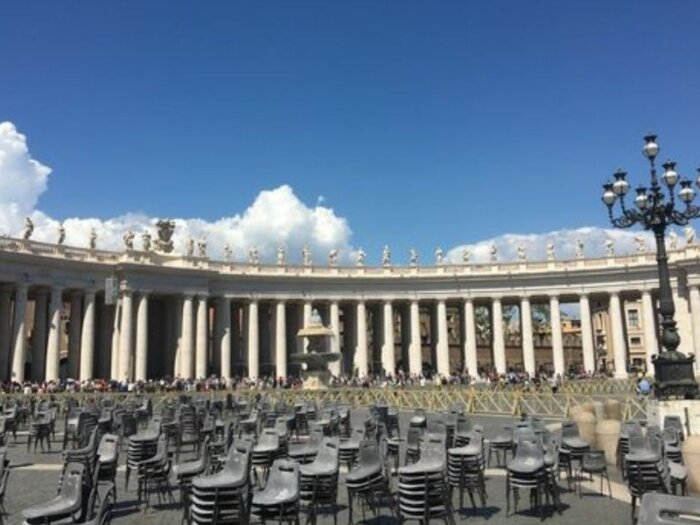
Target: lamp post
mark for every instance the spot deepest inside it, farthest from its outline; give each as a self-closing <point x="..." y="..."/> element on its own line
<point x="655" y="209"/>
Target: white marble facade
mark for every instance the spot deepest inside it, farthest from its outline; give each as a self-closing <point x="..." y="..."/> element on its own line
<point x="192" y="316"/>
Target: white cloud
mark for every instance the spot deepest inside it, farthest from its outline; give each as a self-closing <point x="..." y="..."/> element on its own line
<point x="593" y="238"/>
<point x="276" y="217"/>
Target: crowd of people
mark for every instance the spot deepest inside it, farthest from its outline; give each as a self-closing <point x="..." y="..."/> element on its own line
<point x="508" y="381"/>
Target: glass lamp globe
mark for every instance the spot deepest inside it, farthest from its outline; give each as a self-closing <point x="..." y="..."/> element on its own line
<point x="651" y="148"/>
<point x="670" y="175"/>
<point x="687" y="193"/>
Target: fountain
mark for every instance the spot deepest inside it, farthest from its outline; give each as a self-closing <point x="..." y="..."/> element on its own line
<point x="314" y="360"/>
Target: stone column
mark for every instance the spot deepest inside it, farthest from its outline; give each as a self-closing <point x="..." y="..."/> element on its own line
<point x="202" y="337"/>
<point x="499" y="344"/>
<point x="306" y="316"/>
<point x="587" y="334"/>
<point x="114" y="350"/>
<point x="618" y="336"/>
<point x="41" y="306"/>
<point x="87" y="337"/>
<point x="694" y="292"/>
<point x="19" y="333"/>
<point x="334" y="314"/>
<point x="388" y="357"/>
<point x="443" y="346"/>
<point x="281" y="339"/>
<point x="526" y="335"/>
<point x="76" y="316"/>
<point x="470" y="356"/>
<point x="126" y="337"/>
<point x="53" y="345"/>
<point x="187" y="342"/>
<point x="223" y="322"/>
<point x="557" y="339"/>
<point x="6" y="330"/>
<point x="360" y="362"/>
<point x="253" y="340"/>
<point x="415" y="351"/>
<point x="141" y="373"/>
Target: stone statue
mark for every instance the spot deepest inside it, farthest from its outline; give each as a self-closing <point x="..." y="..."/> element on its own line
<point x="189" y="247"/>
<point x="333" y="258"/>
<point x="522" y="256"/>
<point x="672" y="240"/>
<point x="386" y="256"/>
<point x="640" y="244"/>
<point x="93" y="239"/>
<point x="466" y="255"/>
<point x="164" y="242"/>
<point x="361" y="257"/>
<point x="129" y="240"/>
<point x="609" y="247"/>
<point x="493" y="253"/>
<point x="61" y="235"/>
<point x="281" y="256"/>
<point x="253" y="256"/>
<point x="413" y="257"/>
<point x="227" y="252"/>
<point x="689" y="234"/>
<point x="146" y="241"/>
<point x="305" y="256"/>
<point x="579" y="249"/>
<point x="202" y="247"/>
<point x="439" y="257"/>
<point x="28" y="229"/>
<point x="550" y="251"/>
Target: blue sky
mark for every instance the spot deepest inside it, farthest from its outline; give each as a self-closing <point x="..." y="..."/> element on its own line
<point x="420" y="123"/>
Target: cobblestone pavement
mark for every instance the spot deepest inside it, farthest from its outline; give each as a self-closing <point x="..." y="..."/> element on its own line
<point x="33" y="479"/>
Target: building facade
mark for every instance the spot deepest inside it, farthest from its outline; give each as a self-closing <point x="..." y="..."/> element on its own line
<point x="192" y="317"/>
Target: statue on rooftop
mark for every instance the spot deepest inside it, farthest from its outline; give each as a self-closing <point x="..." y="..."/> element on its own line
<point x="61" y="235"/>
<point x="305" y="256"/>
<point x="689" y="232"/>
<point x="28" y="229"/>
<point x="522" y="256"/>
<point x="579" y="249"/>
<point x="550" y="250"/>
<point x="439" y="257"/>
<point x="253" y="256"/>
<point x="466" y="255"/>
<point x="227" y="252"/>
<point x="333" y="258"/>
<point x="164" y="242"/>
<point x="361" y="257"/>
<point x="413" y="257"/>
<point x="189" y="247"/>
<point x="609" y="247"/>
<point x="202" y="247"/>
<point x="281" y="255"/>
<point x="92" y="242"/>
<point x="640" y="244"/>
<point x="493" y="253"/>
<point x="146" y="241"/>
<point x="128" y="240"/>
<point x="386" y="256"/>
<point x="672" y="240"/>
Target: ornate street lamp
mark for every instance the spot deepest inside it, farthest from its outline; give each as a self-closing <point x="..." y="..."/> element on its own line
<point x="655" y="209"/>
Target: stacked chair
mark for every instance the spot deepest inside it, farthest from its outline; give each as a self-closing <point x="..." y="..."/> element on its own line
<point x="40" y="431"/>
<point x="465" y="468"/>
<point x="265" y="452"/>
<point x="86" y="455"/>
<point x="629" y="429"/>
<point x="279" y="501"/>
<point x="4" y="475"/>
<point x="413" y="440"/>
<point x="108" y="459"/>
<point x="223" y="497"/>
<point x="318" y="483"/>
<point x="142" y="446"/>
<point x="423" y="491"/>
<point x="593" y="462"/>
<point x="306" y="452"/>
<point x="189" y="428"/>
<point x="368" y="479"/>
<point x="183" y="473"/>
<point x="350" y="448"/>
<point x="153" y="474"/>
<point x="572" y="448"/>
<point x="501" y="444"/>
<point x="527" y="472"/>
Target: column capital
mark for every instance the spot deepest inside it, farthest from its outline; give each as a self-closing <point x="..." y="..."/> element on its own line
<point x="554" y="297"/>
<point x="583" y="295"/>
<point x="38" y="292"/>
<point x="56" y="288"/>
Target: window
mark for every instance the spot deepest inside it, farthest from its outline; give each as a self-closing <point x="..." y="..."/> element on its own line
<point x="635" y="341"/>
<point x="633" y="318"/>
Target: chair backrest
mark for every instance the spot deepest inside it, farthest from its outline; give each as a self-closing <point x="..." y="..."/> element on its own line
<point x="464" y="424"/>
<point x="327" y="453"/>
<point x="630" y="428"/>
<point x="593" y="459"/>
<point x="284" y="478"/>
<point x="369" y="454"/>
<point x="528" y="450"/>
<point x="569" y="429"/>
<point x="664" y="509"/>
<point x="674" y="422"/>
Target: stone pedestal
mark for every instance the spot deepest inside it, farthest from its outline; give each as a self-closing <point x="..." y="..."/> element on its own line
<point x="586" y="427"/>
<point x="607" y="435"/>
<point x="687" y="410"/>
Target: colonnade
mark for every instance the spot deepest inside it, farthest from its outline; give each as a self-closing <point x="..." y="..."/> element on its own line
<point x="194" y="335"/>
